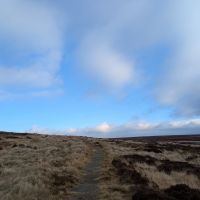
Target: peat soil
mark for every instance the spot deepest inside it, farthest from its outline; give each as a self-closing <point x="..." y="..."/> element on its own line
<point x="88" y="189"/>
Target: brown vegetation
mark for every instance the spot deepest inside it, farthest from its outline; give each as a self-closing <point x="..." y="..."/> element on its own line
<point x="40" y="167"/>
<point x="154" y="168"/>
<point x="48" y="167"/>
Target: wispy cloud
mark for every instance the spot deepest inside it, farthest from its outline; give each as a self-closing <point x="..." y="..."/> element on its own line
<point x="106" y="65"/>
<point x="10" y="95"/>
<point x="110" y="49"/>
<point x="180" y="86"/>
<point x="32" y="30"/>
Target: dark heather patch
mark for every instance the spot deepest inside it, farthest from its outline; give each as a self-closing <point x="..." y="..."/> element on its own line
<point x="128" y="174"/>
<point x="168" y="166"/>
<point x="135" y="158"/>
<point x="183" y="192"/>
<point x="152" y="148"/>
<point x="149" y="194"/>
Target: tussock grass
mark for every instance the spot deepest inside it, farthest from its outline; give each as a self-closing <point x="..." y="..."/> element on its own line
<point x="181" y="157"/>
<point x="40" y="167"/>
<point x="162" y="180"/>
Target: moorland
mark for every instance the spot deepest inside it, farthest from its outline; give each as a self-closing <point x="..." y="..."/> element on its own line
<point x="47" y="167"/>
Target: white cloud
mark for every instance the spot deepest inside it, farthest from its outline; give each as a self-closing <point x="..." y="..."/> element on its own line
<point x="129" y="129"/>
<point x="104" y="63"/>
<point x="41" y="74"/>
<point x="38" y="130"/>
<point x="141" y="125"/>
<point x="108" y="44"/>
<point x="109" y="36"/>
<point x="33" y="30"/>
<point x="185" y="123"/>
<point x="104" y="127"/>
<point x="180" y="85"/>
<point x="140" y="128"/>
<point x="30" y="23"/>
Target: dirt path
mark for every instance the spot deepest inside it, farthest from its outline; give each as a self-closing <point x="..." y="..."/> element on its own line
<point x="88" y="187"/>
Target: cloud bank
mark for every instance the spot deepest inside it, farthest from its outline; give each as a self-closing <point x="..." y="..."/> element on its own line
<point x="114" y="35"/>
<point x="108" y="39"/>
<point x="129" y="129"/>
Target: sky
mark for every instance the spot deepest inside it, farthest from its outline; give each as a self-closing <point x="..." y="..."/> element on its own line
<point x="108" y="68"/>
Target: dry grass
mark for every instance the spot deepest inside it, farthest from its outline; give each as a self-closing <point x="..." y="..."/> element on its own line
<point x="40" y="167"/>
<point x="115" y="185"/>
<point x="163" y="180"/>
<point x="47" y="167"/>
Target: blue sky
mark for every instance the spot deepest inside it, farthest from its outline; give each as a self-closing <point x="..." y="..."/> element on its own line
<point x="101" y="68"/>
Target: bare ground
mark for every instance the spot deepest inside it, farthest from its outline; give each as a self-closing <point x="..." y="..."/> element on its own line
<point x="88" y="187"/>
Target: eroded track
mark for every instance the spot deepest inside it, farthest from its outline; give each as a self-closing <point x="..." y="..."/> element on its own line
<point x="88" y="187"/>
